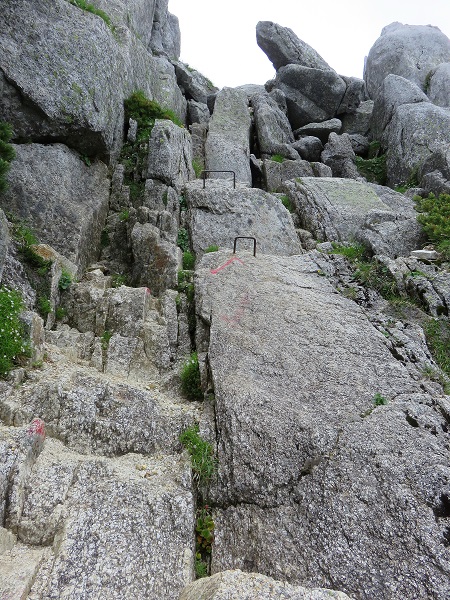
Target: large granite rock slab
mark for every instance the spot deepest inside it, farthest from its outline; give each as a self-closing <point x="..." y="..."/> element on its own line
<point x="283" y="47"/>
<point x="416" y="132"/>
<point x="312" y="94"/>
<point x="439" y="85"/>
<point x="218" y="214"/>
<point x="236" y="585"/>
<point x="227" y="146"/>
<point x="64" y="201"/>
<point x="193" y="84"/>
<point x="273" y="129"/>
<point x="276" y="173"/>
<point x="410" y="51"/>
<point x="335" y="209"/>
<point x="64" y="75"/>
<point x="332" y="490"/>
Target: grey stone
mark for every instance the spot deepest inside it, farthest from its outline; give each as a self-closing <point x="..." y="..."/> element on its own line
<point x="251" y="89"/>
<point x="193" y="84"/>
<point x="309" y="148"/>
<point x="354" y="95"/>
<point x="359" y="121"/>
<point x="170" y="154"/>
<point x="439" y="85"/>
<point x="62" y="199"/>
<point x="425" y="254"/>
<point x="339" y="155"/>
<point x="236" y="585"/>
<point x="198" y="112"/>
<point x="321" y="130"/>
<point x="343" y="210"/>
<point x="156" y="261"/>
<point x="417" y="131"/>
<point x="312" y="95"/>
<point x="410" y="51"/>
<point x="434" y="173"/>
<point x="272" y="128"/>
<point x="227" y="146"/>
<point x="302" y="460"/>
<point x="321" y="170"/>
<point x="218" y="214"/>
<point x="52" y="92"/>
<point x="280" y="99"/>
<point x="283" y="47"/>
<point x="132" y="130"/>
<point x="276" y="173"/>
<point x="392" y="93"/>
<point x="4" y="241"/>
<point x="360" y="144"/>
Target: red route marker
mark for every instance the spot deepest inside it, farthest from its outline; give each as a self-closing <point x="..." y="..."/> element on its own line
<point x="215" y="271"/>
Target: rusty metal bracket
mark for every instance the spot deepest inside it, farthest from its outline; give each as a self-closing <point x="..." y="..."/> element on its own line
<point x="245" y="237"/>
<point x="212" y="171"/>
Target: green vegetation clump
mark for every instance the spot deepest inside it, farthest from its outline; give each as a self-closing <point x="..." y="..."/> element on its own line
<point x="437" y="333"/>
<point x="190" y="379"/>
<point x="204" y="538"/>
<point x="379" y="400"/>
<point x="188" y="261"/>
<point x="373" y="275"/>
<point x="197" y="166"/>
<point x="286" y="202"/>
<point x="65" y="281"/>
<point x="277" y="158"/>
<point x="183" y="239"/>
<point x="354" y="252"/>
<point x="12" y="343"/>
<point x="92" y="9"/>
<point x="373" y="169"/>
<point x="7" y="153"/>
<point x="212" y="248"/>
<point x="202" y="454"/>
<point x="435" y="219"/>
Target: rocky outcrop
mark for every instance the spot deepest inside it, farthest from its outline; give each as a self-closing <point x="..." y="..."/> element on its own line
<point x="218" y="214"/>
<point x="411" y="51"/>
<point x="272" y="128"/>
<point x="193" y="84"/>
<point x="321" y="130"/>
<point x="297" y="428"/>
<point x="438" y="89"/>
<point x="283" y="47"/>
<point x="61" y="198"/>
<point x="236" y="585"/>
<point x="227" y="146"/>
<point x="343" y="210"/>
<point x="338" y="154"/>
<point x="276" y="173"/>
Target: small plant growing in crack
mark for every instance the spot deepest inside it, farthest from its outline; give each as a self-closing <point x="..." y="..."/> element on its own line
<point x="190" y="378"/>
<point x="204" y="464"/>
<point x="204" y="538"/>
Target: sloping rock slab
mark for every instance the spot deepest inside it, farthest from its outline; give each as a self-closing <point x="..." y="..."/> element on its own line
<point x="236" y="585"/>
<point x="335" y="209"/>
<point x="439" y="88"/>
<point x="64" y="201"/>
<point x="218" y="214"/>
<point x="331" y="490"/>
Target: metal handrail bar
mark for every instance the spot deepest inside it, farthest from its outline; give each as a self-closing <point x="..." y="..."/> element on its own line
<point x="245" y="237"/>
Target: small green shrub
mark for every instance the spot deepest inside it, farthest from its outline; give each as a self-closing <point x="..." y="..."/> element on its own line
<point x="124" y="215"/>
<point x="106" y="336"/>
<point x="183" y="203"/>
<point x="183" y="239"/>
<point x="437" y="333"/>
<point x="379" y="400"/>
<point x="60" y="313"/>
<point x="354" y="252"/>
<point x="435" y="219"/>
<point x="188" y="261"/>
<point x="286" y="202"/>
<point x="190" y="379"/>
<point x="12" y="343"/>
<point x="201" y="568"/>
<point x="43" y="305"/>
<point x="118" y="279"/>
<point x="7" y="153"/>
<point x="373" y="275"/>
<point x="212" y="248"/>
<point x="373" y="169"/>
<point x="277" y="158"/>
<point x="92" y="9"/>
<point x="201" y="452"/>
<point x="65" y="281"/>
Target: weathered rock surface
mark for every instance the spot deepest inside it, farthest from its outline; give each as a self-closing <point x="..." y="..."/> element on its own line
<point x="227" y="146"/>
<point x="218" y="214"/>
<point x="193" y="84"/>
<point x="55" y="94"/>
<point x="338" y="154"/>
<point x="276" y="173"/>
<point x="359" y="121"/>
<point x="354" y="95"/>
<point x="272" y="128"/>
<point x="236" y="585"/>
<point x="342" y="210"/>
<point x="198" y="112"/>
<point x="439" y="85"/>
<point x="309" y="148"/>
<point x="170" y="154"/>
<point x="410" y="51"/>
<point x="417" y="131"/>
<point x="165" y="34"/>
<point x="321" y="130"/>
<point x="305" y="457"/>
<point x="434" y="173"/>
<point x="312" y="94"/>
<point x="62" y="199"/>
<point x="283" y="47"/>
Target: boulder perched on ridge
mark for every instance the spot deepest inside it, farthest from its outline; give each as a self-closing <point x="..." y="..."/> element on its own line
<point x="283" y="47"/>
<point x="410" y="51"/>
<point x="354" y="95"/>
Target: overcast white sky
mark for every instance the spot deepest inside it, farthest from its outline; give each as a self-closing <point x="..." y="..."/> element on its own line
<point x="219" y="40"/>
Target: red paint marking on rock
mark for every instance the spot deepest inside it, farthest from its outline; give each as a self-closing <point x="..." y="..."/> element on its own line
<point x="215" y="271"/>
<point x="37" y="427"/>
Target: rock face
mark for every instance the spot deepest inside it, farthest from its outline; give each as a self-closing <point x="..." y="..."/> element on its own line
<point x="56" y="94"/>
<point x="283" y="47"/>
<point x="236" y="585"/>
<point x="342" y="210"/>
<point x="312" y="94"/>
<point x="272" y="127"/>
<point x="60" y="197"/>
<point x="227" y="146"/>
<point x="439" y="85"/>
<point x="411" y="51"/>
<point x="217" y="214"/>
<point x="304" y="455"/>
<point x="338" y="154"/>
